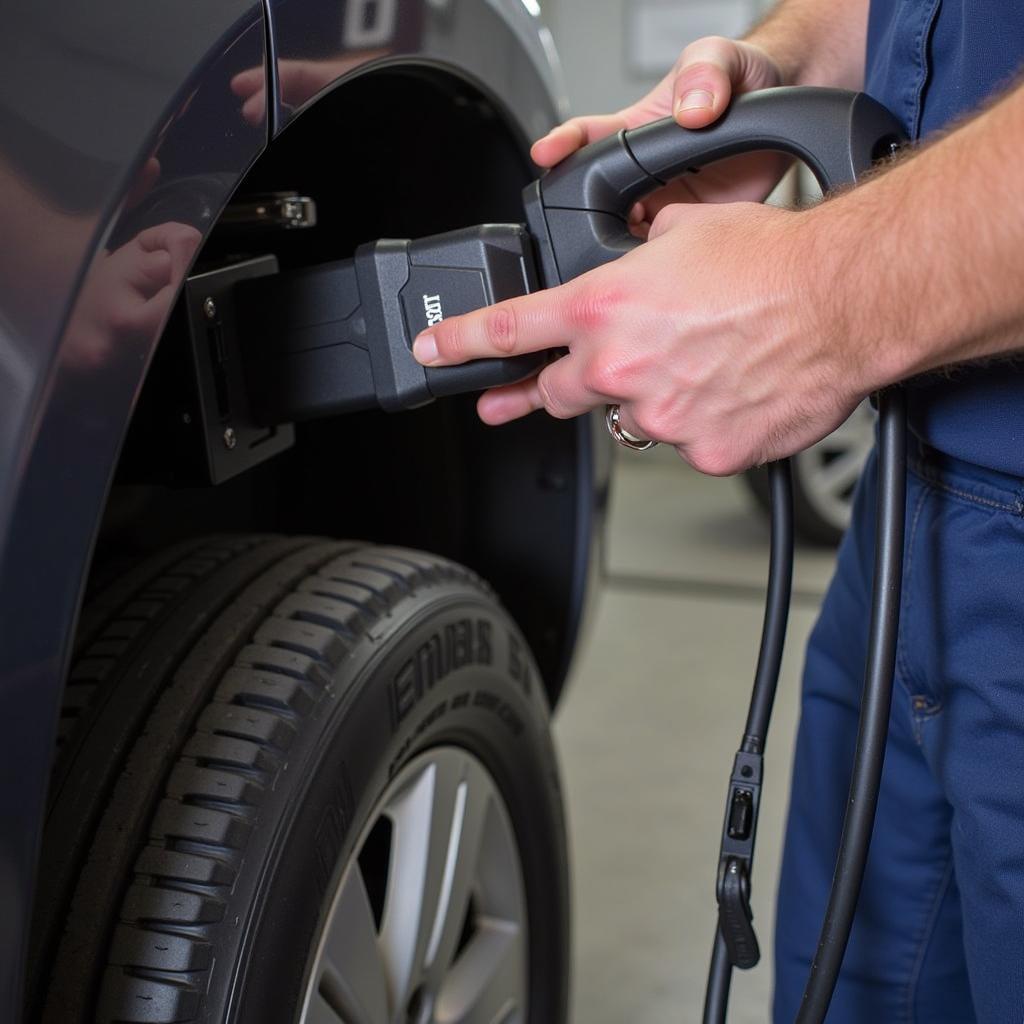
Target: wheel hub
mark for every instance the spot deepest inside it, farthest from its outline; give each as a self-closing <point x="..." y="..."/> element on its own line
<point x="427" y="924"/>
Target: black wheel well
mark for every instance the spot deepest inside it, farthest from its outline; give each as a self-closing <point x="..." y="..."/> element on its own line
<point x="400" y="151"/>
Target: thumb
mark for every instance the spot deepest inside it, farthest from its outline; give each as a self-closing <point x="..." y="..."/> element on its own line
<point x="708" y="71"/>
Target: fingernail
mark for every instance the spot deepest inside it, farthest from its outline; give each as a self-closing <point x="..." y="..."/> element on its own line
<point x="424" y="348"/>
<point x="696" y="99"/>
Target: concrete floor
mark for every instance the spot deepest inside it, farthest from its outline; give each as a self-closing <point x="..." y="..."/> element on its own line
<point x="647" y="735"/>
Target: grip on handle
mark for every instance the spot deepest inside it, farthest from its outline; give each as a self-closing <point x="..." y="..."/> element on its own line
<point x="578" y="211"/>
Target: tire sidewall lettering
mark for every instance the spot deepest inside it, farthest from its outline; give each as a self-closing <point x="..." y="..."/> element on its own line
<point x="481" y="704"/>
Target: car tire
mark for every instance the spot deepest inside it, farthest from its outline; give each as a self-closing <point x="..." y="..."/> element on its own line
<point x="323" y="726"/>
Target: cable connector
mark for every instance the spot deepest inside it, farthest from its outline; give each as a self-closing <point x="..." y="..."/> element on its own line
<point x="736" y="855"/>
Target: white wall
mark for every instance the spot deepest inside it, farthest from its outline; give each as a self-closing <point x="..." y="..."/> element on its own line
<point x="600" y="41"/>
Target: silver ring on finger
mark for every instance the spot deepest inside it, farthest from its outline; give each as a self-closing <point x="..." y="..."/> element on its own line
<point x="624" y="437"/>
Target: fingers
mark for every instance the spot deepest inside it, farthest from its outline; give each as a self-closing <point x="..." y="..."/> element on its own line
<point x="559" y="389"/>
<point x="709" y="69"/>
<point x="151" y="272"/>
<point x="530" y="323"/>
<point x="251" y="86"/>
<point x="172" y="235"/>
<point x="512" y="402"/>
<point x="628" y="425"/>
<point x="550" y="391"/>
<point x="245" y="83"/>
<point x="255" y="107"/>
<point x="707" y="75"/>
<point x="301" y="79"/>
<point x="565" y="139"/>
<point x="672" y="194"/>
<point x="179" y="241"/>
<point x="667" y="218"/>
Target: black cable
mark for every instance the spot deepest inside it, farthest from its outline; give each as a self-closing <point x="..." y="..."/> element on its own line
<point x="762" y="698"/>
<point x="716" y="998"/>
<point x="776" y="609"/>
<point x="875" y="705"/>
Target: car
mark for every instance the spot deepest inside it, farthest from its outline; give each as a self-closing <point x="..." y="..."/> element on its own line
<point x="276" y="696"/>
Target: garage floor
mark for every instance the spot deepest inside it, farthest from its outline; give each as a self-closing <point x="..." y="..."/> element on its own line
<point x="647" y="735"/>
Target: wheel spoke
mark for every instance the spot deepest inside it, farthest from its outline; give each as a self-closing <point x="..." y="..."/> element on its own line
<point x="451" y="944"/>
<point x="353" y="980"/>
<point x="473" y="800"/>
<point x="848" y="437"/>
<point x="320" y="1011"/>
<point x="856" y="432"/>
<point x="428" y="817"/>
<point x="486" y="983"/>
<point x="837" y="477"/>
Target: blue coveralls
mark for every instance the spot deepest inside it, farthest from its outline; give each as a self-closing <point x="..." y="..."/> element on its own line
<point x="939" y="933"/>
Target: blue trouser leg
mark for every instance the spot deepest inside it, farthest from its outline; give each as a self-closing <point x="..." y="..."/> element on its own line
<point x="941" y="916"/>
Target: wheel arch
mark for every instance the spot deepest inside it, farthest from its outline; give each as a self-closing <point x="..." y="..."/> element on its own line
<point x="515" y="504"/>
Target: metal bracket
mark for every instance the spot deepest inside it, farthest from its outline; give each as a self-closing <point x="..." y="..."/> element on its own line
<point x="286" y="211"/>
<point x="233" y="442"/>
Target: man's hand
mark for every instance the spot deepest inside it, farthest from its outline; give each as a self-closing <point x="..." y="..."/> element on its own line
<point x="696" y="92"/>
<point x="710" y="336"/>
<point x="743" y="333"/>
<point x="715" y="336"/>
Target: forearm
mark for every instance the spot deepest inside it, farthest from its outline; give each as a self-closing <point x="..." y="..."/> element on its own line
<point x="924" y="265"/>
<point x="816" y="42"/>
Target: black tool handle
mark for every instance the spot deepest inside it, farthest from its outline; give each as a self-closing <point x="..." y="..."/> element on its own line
<point x="579" y="209"/>
<point x="838" y="134"/>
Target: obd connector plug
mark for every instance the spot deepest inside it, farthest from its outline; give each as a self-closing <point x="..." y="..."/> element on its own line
<point x="337" y="337"/>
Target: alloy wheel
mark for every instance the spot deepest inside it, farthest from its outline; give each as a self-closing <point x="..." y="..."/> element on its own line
<point x="428" y="922"/>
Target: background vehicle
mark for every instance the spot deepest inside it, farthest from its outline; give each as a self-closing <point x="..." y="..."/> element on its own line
<point x="824" y="478"/>
<point x="279" y="753"/>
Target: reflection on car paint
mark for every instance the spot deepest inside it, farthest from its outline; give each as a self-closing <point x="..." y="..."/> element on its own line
<point x="120" y="139"/>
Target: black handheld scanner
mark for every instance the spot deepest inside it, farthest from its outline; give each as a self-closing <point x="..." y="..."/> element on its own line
<point x="338" y="337"/>
<point x="577" y="212"/>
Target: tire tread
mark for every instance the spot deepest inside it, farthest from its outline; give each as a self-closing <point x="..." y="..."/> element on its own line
<point x="219" y="768"/>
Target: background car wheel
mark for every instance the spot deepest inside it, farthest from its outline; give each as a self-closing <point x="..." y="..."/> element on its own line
<point x="824" y="478"/>
<point x="337" y="800"/>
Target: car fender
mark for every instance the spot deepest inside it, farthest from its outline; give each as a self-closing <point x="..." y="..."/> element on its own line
<point x="98" y="103"/>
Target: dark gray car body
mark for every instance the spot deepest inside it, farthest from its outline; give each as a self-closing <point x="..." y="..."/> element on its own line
<point x="100" y="105"/>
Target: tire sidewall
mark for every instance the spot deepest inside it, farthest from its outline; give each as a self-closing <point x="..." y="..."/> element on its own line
<point x="447" y="668"/>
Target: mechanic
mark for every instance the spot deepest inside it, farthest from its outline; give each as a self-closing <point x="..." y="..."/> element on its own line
<point x="742" y="333"/>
